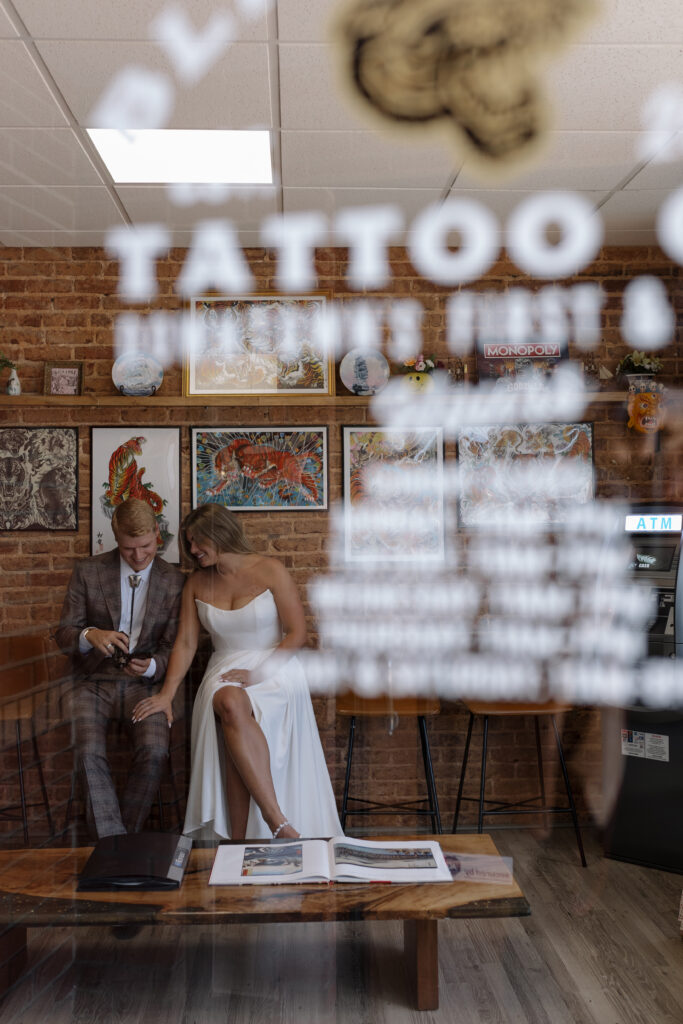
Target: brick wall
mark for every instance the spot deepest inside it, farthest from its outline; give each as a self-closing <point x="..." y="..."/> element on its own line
<point x="62" y="303"/>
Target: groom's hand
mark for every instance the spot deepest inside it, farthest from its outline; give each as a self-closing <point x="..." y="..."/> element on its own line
<point x="137" y="666"/>
<point x="105" y="640"/>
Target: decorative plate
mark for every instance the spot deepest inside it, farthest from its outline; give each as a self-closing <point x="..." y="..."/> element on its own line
<point x="135" y="373"/>
<point x="364" y="372"/>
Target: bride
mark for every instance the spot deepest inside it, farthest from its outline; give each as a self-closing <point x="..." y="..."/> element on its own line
<point x="258" y="767"/>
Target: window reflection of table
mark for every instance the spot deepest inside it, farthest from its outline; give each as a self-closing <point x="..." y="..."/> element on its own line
<point x="38" y="889"/>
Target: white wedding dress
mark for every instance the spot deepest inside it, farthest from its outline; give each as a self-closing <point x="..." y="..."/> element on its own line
<point x="244" y="638"/>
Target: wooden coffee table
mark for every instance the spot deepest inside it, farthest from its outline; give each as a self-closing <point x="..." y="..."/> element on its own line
<point x="38" y="890"/>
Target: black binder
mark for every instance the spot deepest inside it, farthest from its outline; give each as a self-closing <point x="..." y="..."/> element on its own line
<point x="145" y="861"/>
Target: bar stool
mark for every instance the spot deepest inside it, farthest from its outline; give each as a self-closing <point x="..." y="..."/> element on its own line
<point x="486" y="711"/>
<point x="351" y="706"/>
<point x="23" y="669"/>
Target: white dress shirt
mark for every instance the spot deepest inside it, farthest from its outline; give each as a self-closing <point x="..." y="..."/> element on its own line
<point x="125" y="626"/>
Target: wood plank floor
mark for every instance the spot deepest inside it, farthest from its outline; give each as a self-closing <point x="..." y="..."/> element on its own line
<point x="602" y="946"/>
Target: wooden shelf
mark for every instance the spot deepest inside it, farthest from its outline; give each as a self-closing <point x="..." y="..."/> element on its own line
<point x="178" y="401"/>
<point x="224" y="401"/>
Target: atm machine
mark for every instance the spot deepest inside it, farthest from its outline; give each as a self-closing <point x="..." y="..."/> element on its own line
<point x="646" y="824"/>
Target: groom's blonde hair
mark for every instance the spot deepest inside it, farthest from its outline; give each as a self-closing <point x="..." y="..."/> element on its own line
<point x="217" y="525"/>
<point x="134" y="518"/>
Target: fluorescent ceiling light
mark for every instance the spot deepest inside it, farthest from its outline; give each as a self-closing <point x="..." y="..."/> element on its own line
<point x="174" y="155"/>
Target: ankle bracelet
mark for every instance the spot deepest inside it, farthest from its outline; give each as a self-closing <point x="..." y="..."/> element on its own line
<point x="279" y="829"/>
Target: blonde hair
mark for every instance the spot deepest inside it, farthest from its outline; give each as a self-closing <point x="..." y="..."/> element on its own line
<point x="133" y="518"/>
<point x="217" y="525"/>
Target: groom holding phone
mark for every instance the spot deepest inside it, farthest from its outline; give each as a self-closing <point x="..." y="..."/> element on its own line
<point x="118" y="624"/>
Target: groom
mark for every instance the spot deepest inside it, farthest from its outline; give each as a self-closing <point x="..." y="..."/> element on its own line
<point x="118" y="624"/>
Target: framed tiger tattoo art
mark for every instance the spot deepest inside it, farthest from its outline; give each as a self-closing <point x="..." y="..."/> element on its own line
<point x="257" y="345"/>
<point x="135" y="462"/>
<point x="393" y="507"/>
<point x="252" y="469"/>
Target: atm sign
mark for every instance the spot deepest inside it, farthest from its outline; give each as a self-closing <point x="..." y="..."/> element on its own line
<point x="653" y="524"/>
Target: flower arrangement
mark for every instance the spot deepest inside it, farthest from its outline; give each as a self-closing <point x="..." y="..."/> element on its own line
<point x="420" y="364"/>
<point x="5" y="363"/>
<point x="639" y="362"/>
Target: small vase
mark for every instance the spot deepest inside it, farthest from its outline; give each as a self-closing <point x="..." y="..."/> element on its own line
<point x="13" y="384"/>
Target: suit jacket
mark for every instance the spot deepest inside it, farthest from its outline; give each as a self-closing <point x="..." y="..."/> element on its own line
<point x="93" y="598"/>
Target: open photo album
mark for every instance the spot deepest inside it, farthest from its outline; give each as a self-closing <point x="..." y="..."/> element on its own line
<point x="329" y="860"/>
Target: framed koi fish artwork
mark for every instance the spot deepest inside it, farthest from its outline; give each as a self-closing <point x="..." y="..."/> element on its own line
<point x="541" y="471"/>
<point x="257" y="345"/>
<point x="393" y="494"/>
<point x="135" y="462"/>
<point x="281" y="468"/>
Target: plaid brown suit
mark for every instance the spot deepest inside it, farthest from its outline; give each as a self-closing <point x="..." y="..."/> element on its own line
<point x="103" y="693"/>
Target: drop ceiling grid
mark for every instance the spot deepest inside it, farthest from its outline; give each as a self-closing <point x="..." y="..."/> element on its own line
<point x="330" y="151"/>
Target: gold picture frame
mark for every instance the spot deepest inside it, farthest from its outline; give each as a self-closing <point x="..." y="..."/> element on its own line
<point x="256" y="345"/>
<point x="63" y="377"/>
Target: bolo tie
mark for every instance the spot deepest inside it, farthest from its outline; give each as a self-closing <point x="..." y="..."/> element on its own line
<point x="135" y="580"/>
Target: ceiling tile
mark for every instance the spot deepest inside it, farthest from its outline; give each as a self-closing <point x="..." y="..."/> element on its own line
<point x="632" y="21"/>
<point x="568" y="160"/>
<point x="633" y="208"/>
<point x="49" y="238"/>
<point x="233" y="94"/>
<point x="6" y="29"/>
<point x="502" y="202"/>
<point x="310" y="93"/>
<point x="57" y="209"/>
<point x="122" y="20"/>
<point x="604" y="88"/>
<point x="665" y="171"/>
<point x="25" y="100"/>
<point x="181" y="239"/>
<point x="629" y="236"/>
<point x="246" y="207"/>
<point x="615" y="21"/>
<point x="45" y="156"/>
<point x="376" y="159"/>
<point x="306" y="21"/>
<point x="410" y="201"/>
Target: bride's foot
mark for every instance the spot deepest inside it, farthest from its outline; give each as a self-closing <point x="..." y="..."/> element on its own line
<point x="285" y="831"/>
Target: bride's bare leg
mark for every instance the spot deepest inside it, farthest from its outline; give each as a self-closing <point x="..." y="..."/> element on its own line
<point x="248" y="748"/>
<point x="238" y="798"/>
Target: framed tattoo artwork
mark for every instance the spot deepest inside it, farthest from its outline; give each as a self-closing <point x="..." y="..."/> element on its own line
<point x="393" y="494"/>
<point x="257" y="345"/>
<point x="249" y="468"/>
<point x="39" y="478"/>
<point x="129" y="462"/>
<point x="63" y="378"/>
<point x="540" y="469"/>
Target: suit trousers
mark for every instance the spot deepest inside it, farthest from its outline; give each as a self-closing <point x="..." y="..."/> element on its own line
<point x="96" y="703"/>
